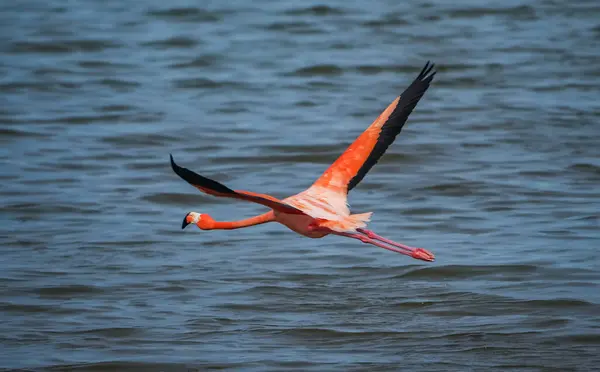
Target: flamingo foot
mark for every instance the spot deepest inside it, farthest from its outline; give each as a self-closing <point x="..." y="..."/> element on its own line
<point x="423" y="254"/>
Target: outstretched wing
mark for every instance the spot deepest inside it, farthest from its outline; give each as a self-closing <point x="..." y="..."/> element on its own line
<point x="215" y="188"/>
<point x="352" y="166"/>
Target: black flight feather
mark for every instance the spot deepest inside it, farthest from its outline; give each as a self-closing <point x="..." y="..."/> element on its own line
<point x="393" y="125"/>
<point x="195" y="179"/>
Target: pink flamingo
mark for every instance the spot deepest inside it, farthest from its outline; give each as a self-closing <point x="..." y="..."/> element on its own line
<point x="322" y="209"/>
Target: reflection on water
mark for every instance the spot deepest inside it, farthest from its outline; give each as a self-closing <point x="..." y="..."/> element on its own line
<point x="496" y="172"/>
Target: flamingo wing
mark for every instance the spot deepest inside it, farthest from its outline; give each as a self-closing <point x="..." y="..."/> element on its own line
<point x="215" y="188"/>
<point x="352" y="166"/>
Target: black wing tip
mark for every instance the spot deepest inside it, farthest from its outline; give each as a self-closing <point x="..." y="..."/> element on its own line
<point x="426" y="73"/>
<point x="197" y="180"/>
<point x="176" y="168"/>
<point x="180" y="171"/>
<point x="173" y="165"/>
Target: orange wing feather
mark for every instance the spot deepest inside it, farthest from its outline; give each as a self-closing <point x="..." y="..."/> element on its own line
<point x="351" y="167"/>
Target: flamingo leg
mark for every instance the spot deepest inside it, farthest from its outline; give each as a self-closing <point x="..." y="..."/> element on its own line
<point x="369" y="237"/>
<point x="422" y="254"/>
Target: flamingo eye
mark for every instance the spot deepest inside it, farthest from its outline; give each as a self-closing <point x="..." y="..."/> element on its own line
<point x="196" y="217"/>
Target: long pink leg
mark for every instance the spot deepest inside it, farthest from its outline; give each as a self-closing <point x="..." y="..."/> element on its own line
<point x="422" y="254"/>
<point x="417" y="253"/>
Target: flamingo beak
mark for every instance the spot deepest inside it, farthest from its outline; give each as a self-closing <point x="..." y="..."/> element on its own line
<point x="185" y="221"/>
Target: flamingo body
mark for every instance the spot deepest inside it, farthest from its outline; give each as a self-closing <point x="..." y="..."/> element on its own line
<point x="300" y="224"/>
<point x="322" y="209"/>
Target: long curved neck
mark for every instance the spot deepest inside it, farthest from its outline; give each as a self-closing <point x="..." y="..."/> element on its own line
<point x="230" y="225"/>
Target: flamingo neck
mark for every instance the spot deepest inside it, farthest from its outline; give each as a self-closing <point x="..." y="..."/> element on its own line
<point x="230" y="225"/>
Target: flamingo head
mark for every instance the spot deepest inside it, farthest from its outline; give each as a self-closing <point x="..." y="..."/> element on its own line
<point x="203" y="221"/>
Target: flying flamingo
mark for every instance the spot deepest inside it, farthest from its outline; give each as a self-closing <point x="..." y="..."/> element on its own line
<point x="322" y="209"/>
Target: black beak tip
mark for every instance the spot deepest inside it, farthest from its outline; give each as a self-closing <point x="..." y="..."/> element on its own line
<point x="184" y="223"/>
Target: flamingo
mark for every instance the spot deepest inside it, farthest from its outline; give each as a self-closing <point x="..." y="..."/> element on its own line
<point x="322" y="209"/>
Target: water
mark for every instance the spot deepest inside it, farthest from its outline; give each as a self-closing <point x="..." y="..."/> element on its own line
<point x="497" y="172"/>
